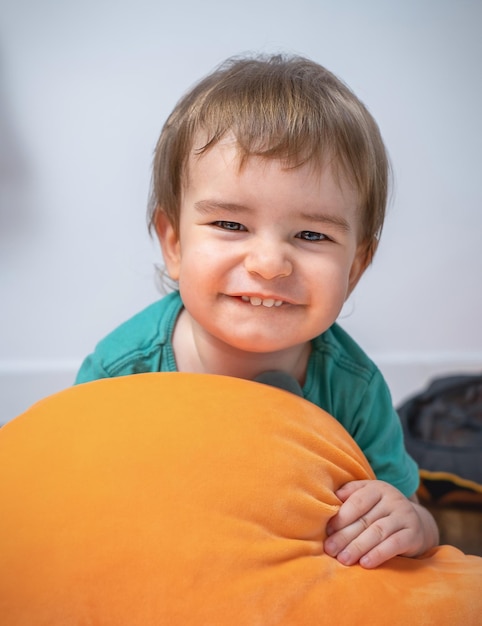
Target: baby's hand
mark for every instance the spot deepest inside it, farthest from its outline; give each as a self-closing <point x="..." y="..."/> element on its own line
<point x="377" y="522"/>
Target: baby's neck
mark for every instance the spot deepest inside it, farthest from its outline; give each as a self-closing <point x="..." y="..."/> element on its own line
<point x="202" y="353"/>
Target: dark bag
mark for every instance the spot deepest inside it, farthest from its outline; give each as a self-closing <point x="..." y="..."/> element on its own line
<point x="443" y="433"/>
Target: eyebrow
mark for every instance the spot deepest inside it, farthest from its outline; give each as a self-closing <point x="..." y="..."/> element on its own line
<point x="336" y="221"/>
<point x="212" y="206"/>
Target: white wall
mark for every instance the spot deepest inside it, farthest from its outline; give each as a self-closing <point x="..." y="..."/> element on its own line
<point x="84" y="90"/>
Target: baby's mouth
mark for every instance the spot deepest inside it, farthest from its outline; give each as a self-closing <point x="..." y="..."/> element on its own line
<point x="267" y="302"/>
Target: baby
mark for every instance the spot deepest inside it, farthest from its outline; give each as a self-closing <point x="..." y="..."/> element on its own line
<point x="269" y="190"/>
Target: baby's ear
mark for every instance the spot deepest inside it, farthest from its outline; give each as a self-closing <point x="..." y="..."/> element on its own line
<point x="362" y="260"/>
<point x="170" y="245"/>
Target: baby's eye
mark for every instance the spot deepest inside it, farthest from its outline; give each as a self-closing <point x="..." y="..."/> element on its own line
<point x="228" y="225"/>
<point x="309" y="235"/>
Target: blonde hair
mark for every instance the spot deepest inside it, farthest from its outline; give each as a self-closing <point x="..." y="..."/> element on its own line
<point x="283" y="107"/>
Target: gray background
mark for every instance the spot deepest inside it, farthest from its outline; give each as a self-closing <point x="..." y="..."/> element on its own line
<point x="84" y="90"/>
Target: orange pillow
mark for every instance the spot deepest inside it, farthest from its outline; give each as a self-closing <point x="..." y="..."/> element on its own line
<point x="188" y="499"/>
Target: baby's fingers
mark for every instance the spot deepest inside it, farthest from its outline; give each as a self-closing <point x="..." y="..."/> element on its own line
<point x="358" y="500"/>
<point x="370" y="545"/>
<point x="349" y="488"/>
<point x="390" y="547"/>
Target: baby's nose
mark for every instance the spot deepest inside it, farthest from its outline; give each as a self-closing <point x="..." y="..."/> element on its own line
<point x="268" y="260"/>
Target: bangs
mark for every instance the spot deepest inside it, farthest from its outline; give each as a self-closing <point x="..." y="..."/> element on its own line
<point x="274" y="109"/>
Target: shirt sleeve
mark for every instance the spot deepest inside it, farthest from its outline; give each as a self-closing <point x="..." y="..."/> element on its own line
<point x="91" y="369"/>
<point x="379" y="434"/>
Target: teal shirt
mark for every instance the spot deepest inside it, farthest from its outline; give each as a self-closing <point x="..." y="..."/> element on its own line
<point x="341" y="379"/>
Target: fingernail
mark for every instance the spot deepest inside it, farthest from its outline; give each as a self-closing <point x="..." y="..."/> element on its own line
<point x="365" y="561"/>
<point x="344" y="557"/>
<point x="330" y="547"/>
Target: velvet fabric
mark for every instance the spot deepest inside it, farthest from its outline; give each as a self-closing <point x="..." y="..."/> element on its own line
<point x="189" y="499"/>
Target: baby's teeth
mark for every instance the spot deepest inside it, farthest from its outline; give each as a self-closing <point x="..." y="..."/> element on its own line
<point x="256" y="301"/>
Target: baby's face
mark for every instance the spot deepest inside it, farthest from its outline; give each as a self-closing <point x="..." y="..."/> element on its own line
<point x="266" y="255"/>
